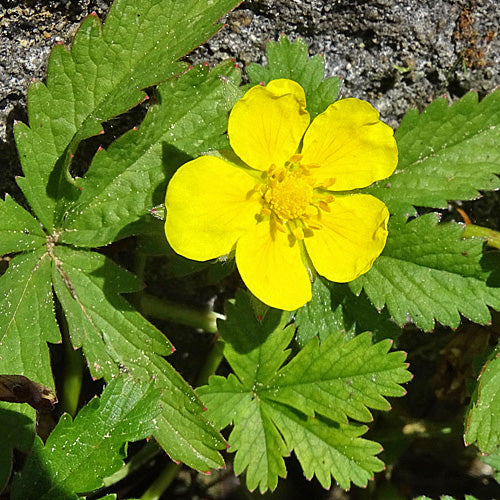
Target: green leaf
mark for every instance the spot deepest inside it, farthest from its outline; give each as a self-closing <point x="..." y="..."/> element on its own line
<point x="19" y="231"/>
<point x="27" y="319"/>
<point x="79" y="454"/>
<point x="291" y="60"/>
<point x="341" y="380"/>
<point x="303" y="404"/>
<point x="27" y="323"/>
<point x="329" y="449"/>
<point x="493" y="460"/>
<point x="427" y="271"/>
<point x="445" y="497"/>
<point x="100" y="77"/>
<point x="259" y="447"/>
<point x="445" y="153"/>
<point x="483" y="418"/>
<point x="101" y="321"/>
<point x="334" y="309"/>
<point x="18" y="432"/>
<point x="129" y="178"/>
<point x="115" y="336"/>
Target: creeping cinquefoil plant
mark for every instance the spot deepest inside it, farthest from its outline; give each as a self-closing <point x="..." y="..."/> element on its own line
<point x="330" y="218"/>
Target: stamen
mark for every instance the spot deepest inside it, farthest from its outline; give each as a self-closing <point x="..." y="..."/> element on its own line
<point x="324" y="206"/>
<point x="327" y="183"/>
<point x="298" y="233"/>
<point x="312" y="210"/>
<point x="290" y="198"/>
<point x="315" y="225"/>
<point x="280" y="226"/>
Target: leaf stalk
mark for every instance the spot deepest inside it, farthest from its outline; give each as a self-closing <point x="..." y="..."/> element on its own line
<point x="492" y="237"/>
<point x="162" y="482"/>
<point x="154" y="307"/>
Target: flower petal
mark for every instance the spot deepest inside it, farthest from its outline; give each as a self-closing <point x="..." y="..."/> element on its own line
<point x="353" y="235"/>
<point x="266" y="125"/>
<point x="351" y="145"/>
<point x="272" y="269"/>
<point x="209" y="207"/>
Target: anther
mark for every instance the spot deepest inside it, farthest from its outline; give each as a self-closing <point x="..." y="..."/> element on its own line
<point x="280" y="226"/>
<point x="324" y="206"/>
<point x="298" y="233"/>
<point x="328" y="182"/>
<point x="314" y="225"/>
<point x="312" y="210"/>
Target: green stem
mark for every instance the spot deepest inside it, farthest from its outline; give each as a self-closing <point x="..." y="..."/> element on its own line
<point x="211" y="364"/>
<point x="139" y="268"/>
<point x="420" y="428"/>
<point x="162" y="482"/>
<point x="492" y="237"/>
<point x="143" y="456"/>
<point x="73" y="373"/>
<point x="155" y="307"/>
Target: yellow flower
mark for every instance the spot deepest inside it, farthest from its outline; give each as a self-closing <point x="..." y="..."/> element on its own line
<point x="277" y="210"/>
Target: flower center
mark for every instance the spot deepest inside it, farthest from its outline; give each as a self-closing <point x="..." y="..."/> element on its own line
<point x="289" y="198"/>
<point x="289" y="195"/>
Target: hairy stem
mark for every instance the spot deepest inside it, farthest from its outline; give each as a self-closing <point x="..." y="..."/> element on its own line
<point x="212" y="362"/>
<point x="73" y="372"/>
<point x="162" y="482"/>
<point x="139" y="266"/>
<point x="492" y="237"/>
<point x="142" y="457"/>
<point x="155" y="307"/>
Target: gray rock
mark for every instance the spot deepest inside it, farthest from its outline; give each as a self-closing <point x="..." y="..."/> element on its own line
<point x="396" y="54"/>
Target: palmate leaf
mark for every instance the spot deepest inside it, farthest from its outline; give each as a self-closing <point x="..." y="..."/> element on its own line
<point x="100" y="77"/>
<point x="130" y="177"/>
<point x="287" y="59"/>
<point x="115" y="336"/>
<point x="334" y="309"/>
<point x="483" y="419"/>
<point x="445" y="153"/>
<point x="428" y="272"/>
<point x="79" y="454"/>
<point x="19" y="231"/>
<point x="302" y="405"/>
